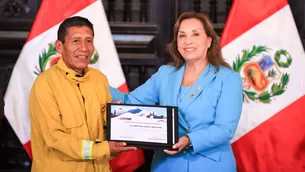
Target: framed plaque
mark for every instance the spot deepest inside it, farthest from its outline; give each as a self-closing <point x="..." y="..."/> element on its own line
<point x="143" y="126"/>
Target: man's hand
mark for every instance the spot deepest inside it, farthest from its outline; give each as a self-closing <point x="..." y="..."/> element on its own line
<point x="183" y="142"/>
<point x="118" y="147"/>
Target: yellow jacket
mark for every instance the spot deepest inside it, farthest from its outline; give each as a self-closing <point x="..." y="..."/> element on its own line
<point x="67" y="116"/>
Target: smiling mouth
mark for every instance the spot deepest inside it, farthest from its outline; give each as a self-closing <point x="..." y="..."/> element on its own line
<point x="82" y="57"/>
<point x="189" y="49"/>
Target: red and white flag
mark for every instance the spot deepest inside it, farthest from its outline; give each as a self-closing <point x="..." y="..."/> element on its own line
<point x="261" y="41"/>
<point x="39" y="53"/>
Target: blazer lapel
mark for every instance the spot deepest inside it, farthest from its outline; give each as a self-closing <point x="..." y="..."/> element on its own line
<point x="207" y="75"/>
<point x="174" y="84"/>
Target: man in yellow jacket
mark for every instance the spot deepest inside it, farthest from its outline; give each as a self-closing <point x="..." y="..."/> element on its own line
<point x="68" y="108"/>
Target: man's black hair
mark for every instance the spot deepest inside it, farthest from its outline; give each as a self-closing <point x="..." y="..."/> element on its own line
<point x="70" y="22"/>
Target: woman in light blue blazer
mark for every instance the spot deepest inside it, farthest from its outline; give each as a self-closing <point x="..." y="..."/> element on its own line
<point x="208" y="94"/>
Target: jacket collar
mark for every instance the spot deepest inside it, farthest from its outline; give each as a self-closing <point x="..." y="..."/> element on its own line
<point x="71" y="75"/>
<point x="207" y="75"/>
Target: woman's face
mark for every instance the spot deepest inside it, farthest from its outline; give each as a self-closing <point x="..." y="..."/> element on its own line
<point x="192" y="40"/>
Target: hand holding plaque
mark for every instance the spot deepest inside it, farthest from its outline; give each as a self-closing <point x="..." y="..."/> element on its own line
<point x="119" y="147"/>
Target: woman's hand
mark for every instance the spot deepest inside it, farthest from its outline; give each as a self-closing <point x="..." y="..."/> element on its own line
<point x="183" y="142"/>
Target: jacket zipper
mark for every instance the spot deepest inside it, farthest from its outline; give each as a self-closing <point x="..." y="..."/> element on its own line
<point x="86" y="118"/>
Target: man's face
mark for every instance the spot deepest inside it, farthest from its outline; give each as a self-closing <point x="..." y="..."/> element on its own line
<point x="78" y="48"/>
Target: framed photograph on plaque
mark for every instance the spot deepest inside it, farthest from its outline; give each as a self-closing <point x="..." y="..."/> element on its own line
<point x="143" y="126"/>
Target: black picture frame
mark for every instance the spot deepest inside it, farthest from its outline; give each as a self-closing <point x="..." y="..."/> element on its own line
<point x="172" y="126"/>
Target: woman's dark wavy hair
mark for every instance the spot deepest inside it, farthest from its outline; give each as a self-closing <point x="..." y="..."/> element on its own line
<point x="214" y="55"/>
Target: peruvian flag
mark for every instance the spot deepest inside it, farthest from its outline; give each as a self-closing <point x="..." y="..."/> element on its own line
<point x="261" y="41"/>
<point x="39" y="53"/>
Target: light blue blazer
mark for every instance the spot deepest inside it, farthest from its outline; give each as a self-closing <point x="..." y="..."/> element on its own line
<point x="209" y="115"/>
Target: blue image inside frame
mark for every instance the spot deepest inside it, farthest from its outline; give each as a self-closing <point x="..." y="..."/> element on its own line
<point x="148" y="112"/>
